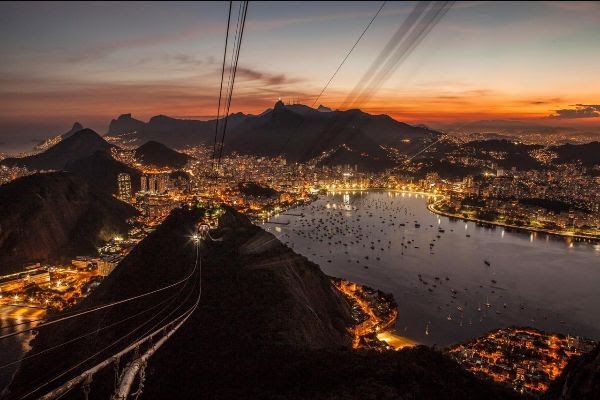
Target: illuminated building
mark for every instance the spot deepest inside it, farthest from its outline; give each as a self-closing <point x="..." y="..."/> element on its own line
<point x="162" y="182"/>
<point x="152" y="183"/>
<point x="124" y="184"/>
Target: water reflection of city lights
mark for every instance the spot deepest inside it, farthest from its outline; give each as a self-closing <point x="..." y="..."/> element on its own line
<point x="346" y="198"/>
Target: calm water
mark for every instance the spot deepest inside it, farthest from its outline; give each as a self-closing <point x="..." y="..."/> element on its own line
<point x="536" y="280"/>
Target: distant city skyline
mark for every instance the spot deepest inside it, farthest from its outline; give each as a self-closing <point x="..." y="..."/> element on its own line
<point x="90" y="62"/>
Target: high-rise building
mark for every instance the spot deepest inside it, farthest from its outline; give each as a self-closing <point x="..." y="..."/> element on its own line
<point x="152" y="183"/>
<point x="162" y="183"/>
<point x="124" y="184"/>
<point x="144" y="183"/>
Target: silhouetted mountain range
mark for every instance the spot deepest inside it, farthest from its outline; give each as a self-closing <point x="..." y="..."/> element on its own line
<point x="78" y="145"/>
<point x="55" y="215"/>
<point x="159" y="155"/>
<point x="297" y="132"/>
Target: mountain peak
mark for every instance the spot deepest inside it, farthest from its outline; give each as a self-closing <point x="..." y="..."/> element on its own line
<point x="279" y="105"/>
<point x="157" y="154"/>
<point x="85" y="132"/>
<point x="80" y="144"/>
<point x="124" y="124"/>
<point x="322" y="108"/>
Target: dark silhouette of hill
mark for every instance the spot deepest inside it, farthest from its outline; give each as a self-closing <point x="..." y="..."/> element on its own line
<point x="588" y="153"/>
<point x="125" y="124"/>
<point x="159" y="155"/>
<point x="100" y="171"/>
<point x="270" y="325"/>
<point x="256" y="190"/>
<point x="48" y="216"/>
<point x="580" y="380"/>
<point x="346" y="155"/>
<point x="80" y="144"/>
<point x="175" y="133"/>
<point x="445" y="169"/>
<point x="516" y="153"/>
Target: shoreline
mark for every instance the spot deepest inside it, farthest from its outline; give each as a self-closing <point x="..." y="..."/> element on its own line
<point x="431" y="207"/>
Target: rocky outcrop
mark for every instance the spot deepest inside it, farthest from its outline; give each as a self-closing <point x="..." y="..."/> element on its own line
<point x="125" y="125"/>
<point x="47" y="216"/>
<point x="74" y="129"/>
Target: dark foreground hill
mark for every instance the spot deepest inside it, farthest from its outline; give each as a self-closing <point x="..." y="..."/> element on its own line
<point x="78" y="145"/>
<point x="270" y="325"/>
<point x="159" y="155"/>
<point x="46" y="216"/>
<point x="580" y="380"/>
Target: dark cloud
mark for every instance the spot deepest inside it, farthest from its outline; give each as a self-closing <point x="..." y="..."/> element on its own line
<point x="578" y="111"/>
<point x="553" y="100"/>
<point x="268" y="78"/>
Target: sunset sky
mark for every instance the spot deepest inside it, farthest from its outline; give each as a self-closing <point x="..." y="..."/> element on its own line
<point x="90" y="62"/>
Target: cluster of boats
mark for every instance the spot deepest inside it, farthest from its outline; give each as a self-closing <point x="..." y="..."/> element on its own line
<point x="368" y="229"/>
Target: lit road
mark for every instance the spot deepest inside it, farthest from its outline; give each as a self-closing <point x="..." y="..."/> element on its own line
<point x="395" y="341"/>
